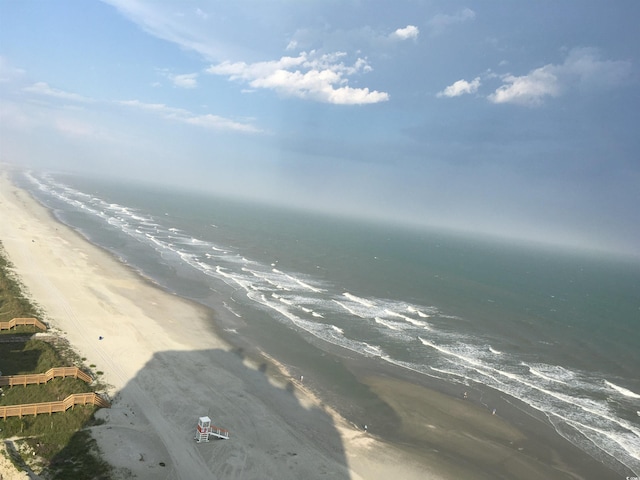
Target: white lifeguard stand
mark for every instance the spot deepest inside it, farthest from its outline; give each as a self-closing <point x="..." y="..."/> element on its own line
<point x="204" y="429"/>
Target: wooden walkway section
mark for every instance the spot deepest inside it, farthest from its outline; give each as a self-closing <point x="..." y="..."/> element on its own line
<point x="38" y="378"/>
<point x="22" y="321"/>
<point x="52" y="407"/>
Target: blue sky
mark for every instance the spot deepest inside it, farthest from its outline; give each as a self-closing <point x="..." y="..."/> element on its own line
<point x="511" y="118"/>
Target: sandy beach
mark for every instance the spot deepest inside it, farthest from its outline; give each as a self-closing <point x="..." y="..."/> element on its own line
<point x="166" y="367"/>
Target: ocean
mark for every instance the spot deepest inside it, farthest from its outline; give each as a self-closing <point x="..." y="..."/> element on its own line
<point x="554" y="330"/>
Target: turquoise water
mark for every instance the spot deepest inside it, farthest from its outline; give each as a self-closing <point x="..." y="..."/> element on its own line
<point x="554" y="328"/>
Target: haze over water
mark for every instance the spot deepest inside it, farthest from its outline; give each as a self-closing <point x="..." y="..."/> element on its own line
<point x="554" y="329"/>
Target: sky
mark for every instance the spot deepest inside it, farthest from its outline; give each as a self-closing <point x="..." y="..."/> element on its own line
<point x="510" y="118"/>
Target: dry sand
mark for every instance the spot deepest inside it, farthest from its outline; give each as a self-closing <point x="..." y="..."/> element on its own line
<point x="167" y="367"/>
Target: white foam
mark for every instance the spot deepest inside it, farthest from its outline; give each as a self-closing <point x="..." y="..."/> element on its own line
<point x="622" y="445"/>
<point x="374" y="350"/>
<point x="233" y="278"/>
<point x="231" y="310"/>
<point x="204" y="266"/>
<point x="359" y="300"/>
<point x="386" y="324"/>
<point x="538" y="373"/>
<point x="542" y="375"/>
<point x="447" y="372"/>
<point x="418" y="312"/>
<point x="621" y="390"/>
<point x="301" y="283"/>
<point x="352" y="312"/>
<point x="417" y="323"/>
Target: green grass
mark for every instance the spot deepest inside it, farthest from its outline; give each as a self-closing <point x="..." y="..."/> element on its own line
<point x="80" y="460"/>
<point x="30" y="356"/>
<point x="13" y="302"/>
<point x="60" y="439"/>
<point x="52" y="391"/>
<point x="52" y="432"/>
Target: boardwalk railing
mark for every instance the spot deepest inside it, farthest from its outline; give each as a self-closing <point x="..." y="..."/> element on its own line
<point x="22" y="321"/>
<point x="52" y="407"/>
<point x="219" y="432"/>
<point x="38" y="378"/>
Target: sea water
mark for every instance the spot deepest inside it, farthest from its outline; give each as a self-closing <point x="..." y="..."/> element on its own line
<point x="554" y="329"/>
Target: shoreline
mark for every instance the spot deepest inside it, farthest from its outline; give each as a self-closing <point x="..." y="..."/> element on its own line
<point x="157" y="346"/>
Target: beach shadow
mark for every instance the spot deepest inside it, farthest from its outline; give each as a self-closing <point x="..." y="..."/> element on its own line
<point x="15" y="359"/>
<point x="274" y="433"/>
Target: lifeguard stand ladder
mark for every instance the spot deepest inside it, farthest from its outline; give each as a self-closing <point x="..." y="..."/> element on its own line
<point x="204" y="429"/>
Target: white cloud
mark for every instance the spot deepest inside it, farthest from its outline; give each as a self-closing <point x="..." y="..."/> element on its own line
<point x="406" y="33"/>
<point x="186" y="80"/>
<point x="592" y="72"/>
<point x="309" y="76"/>
<point x="440" y="22"/>
<point x="165" y="21"/>
<point x="528" y="89"/>
<point x="214" y="122"/>
<point x="460" y="87"/>
<point x="41" y="88"/>
<point x="582" y="70"/>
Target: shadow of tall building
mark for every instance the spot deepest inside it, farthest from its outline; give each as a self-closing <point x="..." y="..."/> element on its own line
<point x="273" y="435"/>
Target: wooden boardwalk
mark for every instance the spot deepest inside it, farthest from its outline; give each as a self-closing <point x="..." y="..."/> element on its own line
<point x="22" y="321"/>
<point x="38" y="378"/>
<point x="52" y="407"/>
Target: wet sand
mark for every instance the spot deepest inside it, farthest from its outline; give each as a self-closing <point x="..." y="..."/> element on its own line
<point x="167" y="366"/>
